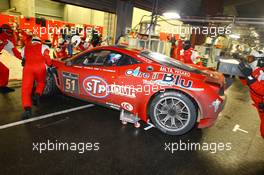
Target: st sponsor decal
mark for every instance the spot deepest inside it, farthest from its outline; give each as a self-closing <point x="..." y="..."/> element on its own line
<point x="137" y="73"/>
<point x="96" y="87"/>
<point x="127" y="106"/>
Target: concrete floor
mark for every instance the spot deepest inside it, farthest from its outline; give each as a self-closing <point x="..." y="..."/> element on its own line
<point x="124" y="149"/>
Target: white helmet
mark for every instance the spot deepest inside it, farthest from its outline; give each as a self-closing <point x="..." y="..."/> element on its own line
<point x="76" y="40"/>
<point x="256" y="54"/>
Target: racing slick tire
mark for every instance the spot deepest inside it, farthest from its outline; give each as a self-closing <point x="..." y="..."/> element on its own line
<point x="173" y="113"/>
<point x="51" y="87"/>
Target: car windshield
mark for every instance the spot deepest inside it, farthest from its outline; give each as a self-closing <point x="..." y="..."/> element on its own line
<point x="167" y="61"/>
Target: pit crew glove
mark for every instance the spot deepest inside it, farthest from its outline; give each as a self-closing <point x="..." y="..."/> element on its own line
<point x="245" y="69"/>
<point x="51" y="70"/>
<point x="23" y="62"/>
<point x="250" y="80"/>
<point x="261" y="106"/>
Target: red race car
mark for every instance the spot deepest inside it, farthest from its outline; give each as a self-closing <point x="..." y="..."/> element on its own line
<point x="143" y="85"/>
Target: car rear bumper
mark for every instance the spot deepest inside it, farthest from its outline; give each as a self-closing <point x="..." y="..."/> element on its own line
<point x="209" y="121"/>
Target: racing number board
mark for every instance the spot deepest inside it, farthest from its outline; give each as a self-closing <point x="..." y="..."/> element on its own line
<point x="70" y="82"/>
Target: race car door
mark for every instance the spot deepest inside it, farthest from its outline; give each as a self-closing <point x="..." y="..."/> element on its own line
<point x="129" y="80"/>
<point x="97" y="75"/>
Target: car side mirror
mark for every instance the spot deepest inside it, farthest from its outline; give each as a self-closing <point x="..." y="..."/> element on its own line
<point x="68" y="63"/>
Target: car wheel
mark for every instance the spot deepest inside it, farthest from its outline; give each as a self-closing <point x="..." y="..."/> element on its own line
<point x="173" y="113"/>
<point x="51" y="87"/>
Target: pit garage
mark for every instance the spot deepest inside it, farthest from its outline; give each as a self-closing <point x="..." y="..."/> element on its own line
<point x="131" y="87"/>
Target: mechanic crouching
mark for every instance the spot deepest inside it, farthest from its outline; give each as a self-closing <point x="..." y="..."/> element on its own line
<point x="35" y="58"/>
<point x="255" y="80"/>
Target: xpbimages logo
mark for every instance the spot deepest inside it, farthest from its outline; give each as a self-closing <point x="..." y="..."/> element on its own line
<point x="80" y="147"/>
<point x="213" y="148"/>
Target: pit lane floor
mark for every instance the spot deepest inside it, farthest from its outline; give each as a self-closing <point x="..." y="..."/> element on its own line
<point x="124" y="149"/>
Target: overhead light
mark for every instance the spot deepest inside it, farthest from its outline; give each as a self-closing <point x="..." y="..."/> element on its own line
<point x="234" y="36"/>
<point x="171" y="15"/>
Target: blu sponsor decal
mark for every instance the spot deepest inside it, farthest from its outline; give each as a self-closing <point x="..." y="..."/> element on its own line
<point x="137" y="73"/>
<point x="177" y="80"/>
<point x="127" y="106"/>
<point x="96" y="87"/>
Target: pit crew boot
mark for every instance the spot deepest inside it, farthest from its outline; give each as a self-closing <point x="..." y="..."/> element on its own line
<point x="36" y="99"/>
<point x="261" y="107"/>
<point x="27" y="113"/>
<point x="6" y="90"/>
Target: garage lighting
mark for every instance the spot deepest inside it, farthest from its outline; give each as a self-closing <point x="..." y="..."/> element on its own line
<point x="171" y="15"/>
<point x="234" y="36"/>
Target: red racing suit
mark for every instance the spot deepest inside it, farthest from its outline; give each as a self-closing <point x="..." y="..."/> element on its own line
<point x="60" y="51"/>
<point x="55" y="39"/>
<point x="179" y="48"/>
<point x="189" y="57"/>
<point x="4" y="71"/>
<point x="7" y="43"/>
<point x="36" y="57"/>
<point x="257" y="95"/>
<point x="187" y="54"/>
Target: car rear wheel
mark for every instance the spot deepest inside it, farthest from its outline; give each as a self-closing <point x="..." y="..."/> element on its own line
<point x="173" y="113"/>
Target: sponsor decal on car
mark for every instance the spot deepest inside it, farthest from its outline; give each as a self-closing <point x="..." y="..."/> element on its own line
<point x="123" y="90"/>
<point x="175" y="71"/>
<point x="137" y="73"/>
<point x="216" y="104"/>
<point x="96" y="87"/>
<point x="99" y="69"/>
<point x="70" y="82"/>
<point x="172" y="80"/>
<point x="177" y="80"/>
<point x="145" y="59"/>
<point x="127" y="106"/>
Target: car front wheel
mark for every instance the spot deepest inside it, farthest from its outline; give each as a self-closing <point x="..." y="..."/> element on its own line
<point x="50" y="86"/>
<point x="173" y="113"/>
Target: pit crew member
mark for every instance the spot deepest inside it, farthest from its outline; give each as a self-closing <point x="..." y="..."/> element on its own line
<point x="35" y="58"/>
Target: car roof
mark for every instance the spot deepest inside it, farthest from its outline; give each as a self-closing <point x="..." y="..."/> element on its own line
<point x="119" y="48"/>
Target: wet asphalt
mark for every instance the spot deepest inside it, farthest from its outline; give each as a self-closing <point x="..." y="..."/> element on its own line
<point x="124" y="149"/>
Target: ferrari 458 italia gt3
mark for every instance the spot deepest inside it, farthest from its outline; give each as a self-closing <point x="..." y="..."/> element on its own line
<point x="143" y="85"/>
